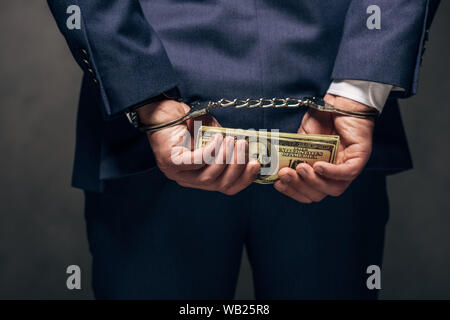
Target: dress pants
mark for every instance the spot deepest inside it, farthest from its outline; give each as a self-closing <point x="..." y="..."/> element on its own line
<point x="153" y="239"/>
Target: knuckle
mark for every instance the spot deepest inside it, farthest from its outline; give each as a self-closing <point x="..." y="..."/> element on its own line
<point x="289" y="192"/>
<point x="226" y="186"/>
<point x="206" y="179"/>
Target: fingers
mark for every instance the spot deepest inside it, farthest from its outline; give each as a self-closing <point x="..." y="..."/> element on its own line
<point x="234" y="170"/>
<point x="305" y="119"/>
<point x="218" y="166"/>
<point x="245" y="178"/>
<point x="347" y="171"/>
<point x="227" y="174"/>
<point x="210" y="173"/>
<point x="183" y="159"/>
<point x="324" y="185"/>
<point x="238" y="175"/>
<point x="292" y="185"/>
<point x="305" y="185"/>
<point x="316" y="122"/>
<point x="289" y="191"/>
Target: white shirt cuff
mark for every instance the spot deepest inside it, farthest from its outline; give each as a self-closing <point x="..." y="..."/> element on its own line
<point x="372" y="94"/>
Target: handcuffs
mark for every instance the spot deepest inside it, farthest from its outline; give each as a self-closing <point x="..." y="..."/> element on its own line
<point x="204" y="107"/>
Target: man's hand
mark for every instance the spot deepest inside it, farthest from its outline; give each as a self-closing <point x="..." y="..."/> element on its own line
<point x="311" y="184"/>
<point x="177" y="161"/>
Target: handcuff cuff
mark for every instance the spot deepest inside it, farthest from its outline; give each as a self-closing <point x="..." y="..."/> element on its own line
<point x="202" y="108"/>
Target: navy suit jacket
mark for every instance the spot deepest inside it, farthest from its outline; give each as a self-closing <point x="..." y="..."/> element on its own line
<point x="132" y="50"/>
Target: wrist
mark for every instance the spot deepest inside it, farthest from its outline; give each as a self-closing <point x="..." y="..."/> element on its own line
<point x="161" y="112"/>
<point x="347" y="104"/>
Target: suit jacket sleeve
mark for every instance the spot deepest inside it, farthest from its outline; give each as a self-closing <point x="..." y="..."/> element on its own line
<point x="118" y="48"/>
<point x="390" y="55"/>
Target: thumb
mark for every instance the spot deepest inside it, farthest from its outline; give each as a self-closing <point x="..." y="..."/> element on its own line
<point x="302" y="130"/>
<point x="205" y="120"/>
<point x="209" y="120"/>
<point x="316" y="122"/>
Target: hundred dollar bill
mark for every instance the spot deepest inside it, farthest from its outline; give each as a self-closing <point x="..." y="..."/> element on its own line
<point x="276" y="150"/>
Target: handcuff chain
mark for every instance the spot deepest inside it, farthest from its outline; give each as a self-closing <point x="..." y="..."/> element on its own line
<point x="313" y="102"/>
<point x="262" y="103"/>
<point x="202" y="108"/>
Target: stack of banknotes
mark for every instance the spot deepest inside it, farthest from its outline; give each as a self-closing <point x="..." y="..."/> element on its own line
<point x="276" y="150"/>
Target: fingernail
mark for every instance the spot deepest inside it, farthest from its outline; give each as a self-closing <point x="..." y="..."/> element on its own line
<point x="286" y="179"/>
<point x="302" y="172"/>
<point x="319" y="170"/>
<point x="255" y="169"/>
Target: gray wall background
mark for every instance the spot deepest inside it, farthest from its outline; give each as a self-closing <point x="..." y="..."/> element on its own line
<point x="42" y="229"/>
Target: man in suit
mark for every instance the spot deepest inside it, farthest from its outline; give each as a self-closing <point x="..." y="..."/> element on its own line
<point x="161" y="230"/>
